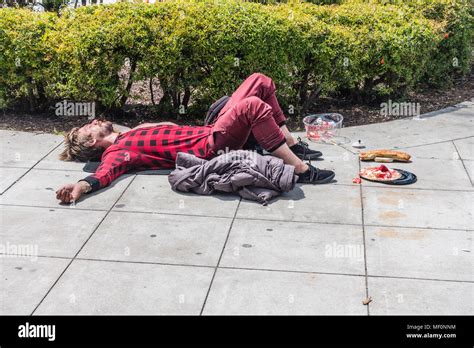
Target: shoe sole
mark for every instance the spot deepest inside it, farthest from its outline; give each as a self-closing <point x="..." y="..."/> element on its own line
<point x="309" y="157"/>
<point x="325" y="180"/>
<point x="319" y="182"/>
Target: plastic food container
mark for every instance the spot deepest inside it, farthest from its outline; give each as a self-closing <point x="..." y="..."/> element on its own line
<point x="323" y="127"/>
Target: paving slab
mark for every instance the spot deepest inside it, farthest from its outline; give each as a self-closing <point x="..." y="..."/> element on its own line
<point x="55" y="232"/>
<point x="295" y="246"/>
<point x="445" y="150"/>
<point x="420" y="253"/>
<point x="449" y="124"/>
<point x="152" y="193"/>
<point x="469" y="165"/>
<point x="345" y="165"/>
<point x="436" y="174"/>
<point x="117" y="288"/>
<point x="52" y="161"/>
<point x="25" y="281"/>
<point x="250" y="292"/>
<point x="418" y="208"/>
<point x="38" y="188"/>
<point x="392" y="296"/>
<point x="310" y="203"/>
<point x="24" y="149"/>
<point x="465" y="148"/>
<point x="461" y="110"/>
<point x="8" y="176"/>
<point x="145" y="237"/>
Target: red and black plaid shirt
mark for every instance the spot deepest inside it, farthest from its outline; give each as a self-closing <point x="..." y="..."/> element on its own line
<point x="154" y="147"/>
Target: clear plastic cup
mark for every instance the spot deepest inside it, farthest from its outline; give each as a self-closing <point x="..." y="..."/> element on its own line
<point x="323" y="127"/>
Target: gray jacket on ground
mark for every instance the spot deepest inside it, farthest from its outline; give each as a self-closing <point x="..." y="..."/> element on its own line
<point x="252" y="176"/>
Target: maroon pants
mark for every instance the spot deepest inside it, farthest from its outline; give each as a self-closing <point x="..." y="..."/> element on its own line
<point x="252" y="110"/>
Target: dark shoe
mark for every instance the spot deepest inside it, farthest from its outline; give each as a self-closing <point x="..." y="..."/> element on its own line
<point x="315" y="176"/>
<point x="302" y="150"/>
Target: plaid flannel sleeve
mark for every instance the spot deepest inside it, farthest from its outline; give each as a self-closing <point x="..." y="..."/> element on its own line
<point x="112" y="166"/>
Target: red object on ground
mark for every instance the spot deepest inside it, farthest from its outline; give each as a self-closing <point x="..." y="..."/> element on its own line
<point x="356" y="180"/>
<point x="380" y="173"/>
<point x="386" y="174"/>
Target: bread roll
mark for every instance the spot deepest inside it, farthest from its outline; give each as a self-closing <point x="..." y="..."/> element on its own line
<point x="395" y="155"/>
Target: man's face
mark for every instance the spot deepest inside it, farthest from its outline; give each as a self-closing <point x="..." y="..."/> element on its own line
<point x="96" y="129"/>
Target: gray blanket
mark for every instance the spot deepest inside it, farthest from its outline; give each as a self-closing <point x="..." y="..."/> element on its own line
<point x="252" y="176"/>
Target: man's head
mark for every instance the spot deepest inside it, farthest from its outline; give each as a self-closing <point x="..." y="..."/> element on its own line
<point x="86" y="142"/>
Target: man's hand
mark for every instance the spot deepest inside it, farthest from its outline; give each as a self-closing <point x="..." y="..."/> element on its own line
<point x="71" y="192"/>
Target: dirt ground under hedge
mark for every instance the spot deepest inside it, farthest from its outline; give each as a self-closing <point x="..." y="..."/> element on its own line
<point x="138" y="110"/>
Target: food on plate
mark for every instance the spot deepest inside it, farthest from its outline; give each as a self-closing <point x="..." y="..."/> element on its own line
<point x="381" y="173"/>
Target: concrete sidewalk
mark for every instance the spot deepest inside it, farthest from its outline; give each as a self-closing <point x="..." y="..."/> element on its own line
<point x="140" y="248"/>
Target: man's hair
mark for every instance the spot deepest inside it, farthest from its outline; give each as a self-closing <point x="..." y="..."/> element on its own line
<point x="76" y="148"/>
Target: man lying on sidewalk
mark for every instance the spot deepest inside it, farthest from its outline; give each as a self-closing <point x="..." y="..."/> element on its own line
<point x="252" y="109"/>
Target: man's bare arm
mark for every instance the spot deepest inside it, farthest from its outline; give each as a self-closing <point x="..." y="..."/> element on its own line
<point x="155" y="124"/>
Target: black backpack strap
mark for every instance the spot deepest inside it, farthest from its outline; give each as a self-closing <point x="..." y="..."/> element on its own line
<point x="214" y="110"/>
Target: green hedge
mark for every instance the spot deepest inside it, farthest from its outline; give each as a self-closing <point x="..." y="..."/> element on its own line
<point x="200" y="50"/>
<point x="23" y="56"/>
